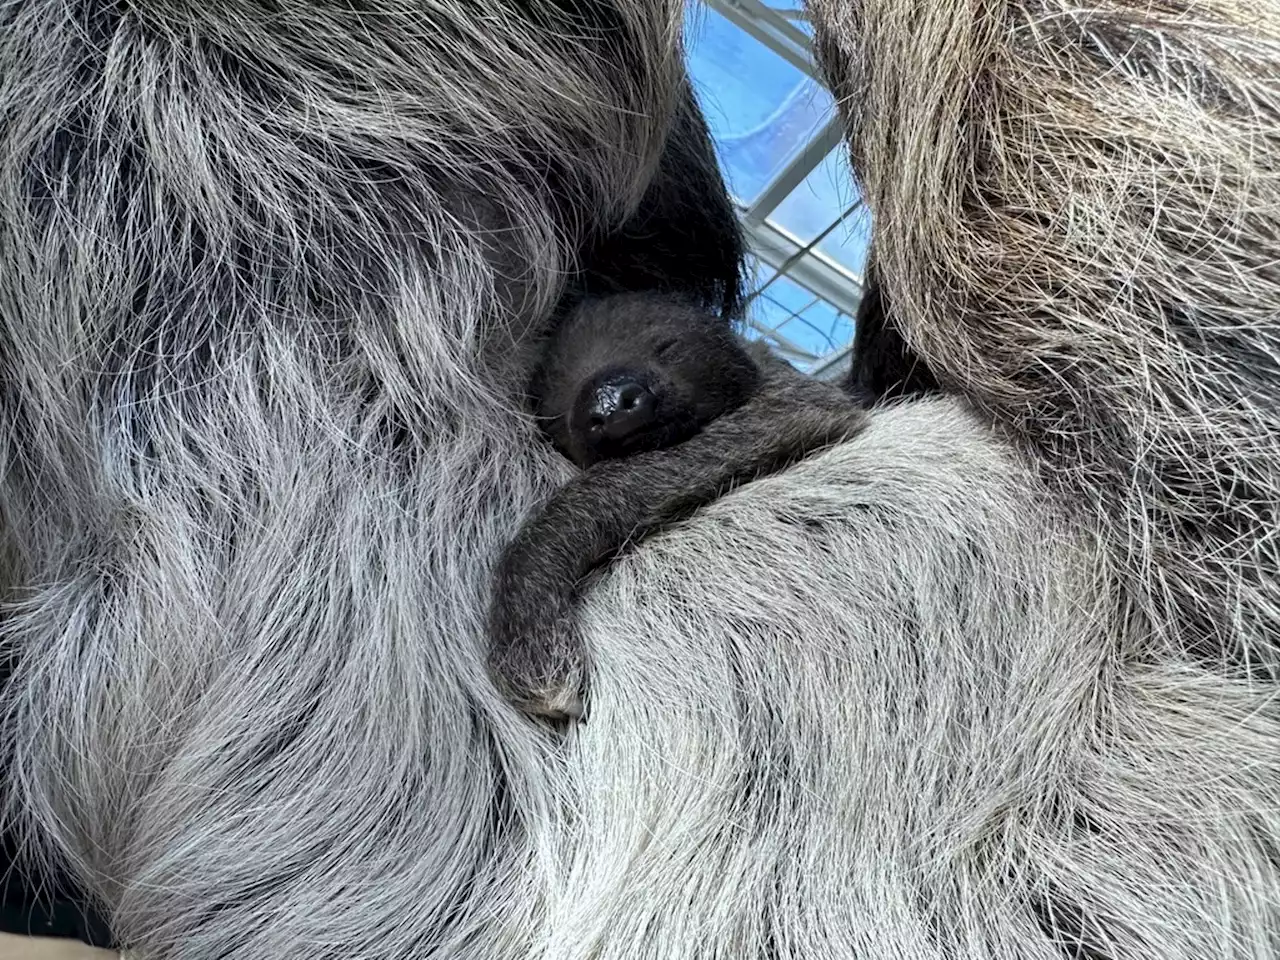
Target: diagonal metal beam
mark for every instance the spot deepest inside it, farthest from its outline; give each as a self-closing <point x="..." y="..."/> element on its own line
<point x="834" y="365"/>
<point x="775" y="20"/>
<point x="793" y="16"/>
<point x="781" y="343"/>
<point x="771" y="30"/>
<point x="800" y="166"/>
<point x="833" y="284"/>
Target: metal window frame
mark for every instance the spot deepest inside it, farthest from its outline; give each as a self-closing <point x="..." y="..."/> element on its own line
<point x="799" y="262"/>
<point x="793" y="174"/>
<point x="770" y="28"/>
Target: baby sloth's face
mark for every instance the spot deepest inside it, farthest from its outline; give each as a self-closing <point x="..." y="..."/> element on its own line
<point x="637" y="372"/>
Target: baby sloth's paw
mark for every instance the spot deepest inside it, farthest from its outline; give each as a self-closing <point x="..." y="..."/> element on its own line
<point x="538" y="664"/>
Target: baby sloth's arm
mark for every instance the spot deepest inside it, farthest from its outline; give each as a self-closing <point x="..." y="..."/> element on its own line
<point x="536" y="654"/>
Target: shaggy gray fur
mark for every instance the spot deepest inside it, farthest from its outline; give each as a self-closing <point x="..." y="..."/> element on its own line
<point x="720" y="412"/>
<point x="995" y="685"/>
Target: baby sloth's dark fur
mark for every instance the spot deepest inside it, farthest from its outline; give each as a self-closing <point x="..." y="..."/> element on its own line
<point x="717" y="412"/>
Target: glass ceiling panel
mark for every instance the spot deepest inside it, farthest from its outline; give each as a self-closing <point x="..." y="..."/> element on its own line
<point x="826" y="193"/>
<point x="757" y="273"/>
<point x="801" y="318"/>
<point x="763" y="113"/>
<point x="820" y="198"/>
<point x="771" y="313"/>
<point x="785" y="295"/>
<point x="820" y="329"/>
<point x="760" y="108"/>
<point x="847" y="244"/>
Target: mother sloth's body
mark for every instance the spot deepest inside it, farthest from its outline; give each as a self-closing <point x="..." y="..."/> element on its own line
<point x="266" y="284"/>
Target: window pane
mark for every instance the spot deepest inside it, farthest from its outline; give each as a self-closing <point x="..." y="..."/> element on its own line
<point x="779" y="300"/>
<point x="819" y="329"/>
<point x="820" y="198"/>
<point x="760" y="108"/>
<point x="847" y="243"/>
<point x="757" y="273"/>
<point x="841" y="332"/>
<point x="769" y="314"/>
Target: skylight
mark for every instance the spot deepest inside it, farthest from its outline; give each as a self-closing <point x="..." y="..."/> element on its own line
<point x="779" y="143"/>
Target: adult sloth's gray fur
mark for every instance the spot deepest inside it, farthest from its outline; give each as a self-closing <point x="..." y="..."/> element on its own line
<point x="1081" y="226"/>
<point x="265" y="281"/>
<point x="1080" y="231"/>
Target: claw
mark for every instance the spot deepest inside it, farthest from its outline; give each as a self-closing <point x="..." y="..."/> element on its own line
<point x="539" y="678"/>
<point x="563" y="703"/>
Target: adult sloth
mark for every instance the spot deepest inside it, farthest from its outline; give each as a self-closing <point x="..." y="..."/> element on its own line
<point x="995" y="678"/>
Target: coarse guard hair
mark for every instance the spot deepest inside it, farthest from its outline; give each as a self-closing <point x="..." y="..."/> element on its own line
<point x="996" y="678"/>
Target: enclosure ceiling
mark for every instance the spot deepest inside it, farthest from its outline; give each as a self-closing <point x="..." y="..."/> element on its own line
<point x="778" y="138"/>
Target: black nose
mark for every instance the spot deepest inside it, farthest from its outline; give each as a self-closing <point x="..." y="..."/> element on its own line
<point x="619" y="407"/>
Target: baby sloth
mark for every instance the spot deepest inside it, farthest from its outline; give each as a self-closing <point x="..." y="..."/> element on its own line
<point x="665" y="409"/>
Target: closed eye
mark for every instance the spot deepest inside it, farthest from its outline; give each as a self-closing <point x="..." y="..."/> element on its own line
<point x="665" y="346"/>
